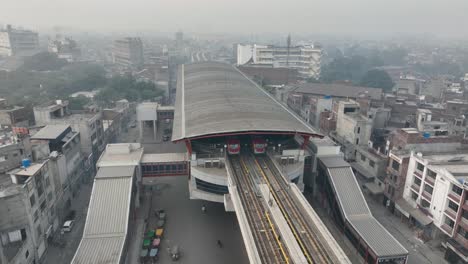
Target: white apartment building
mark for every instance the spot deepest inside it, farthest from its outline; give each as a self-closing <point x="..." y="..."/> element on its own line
<point x="306" y="59"/>
<point x="18" y="42"/>
<point x="128" y="52"/>
<point x="436" y="184"/>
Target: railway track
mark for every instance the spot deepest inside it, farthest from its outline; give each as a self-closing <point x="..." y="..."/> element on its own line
<point x="264" y="233"/>
<point x="303" y="231"/>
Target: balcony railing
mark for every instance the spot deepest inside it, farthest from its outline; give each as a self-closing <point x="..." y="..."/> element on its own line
<point x="447" y="228"/>
<point x="455" y="197"/>
<point x="415" y="187"/>
<point x="464" y="223"/>
<point x="418" y="173"/>
<point x="451" y="213"/>
<point x="427" y="195"/>
<point x="429" y="180"/>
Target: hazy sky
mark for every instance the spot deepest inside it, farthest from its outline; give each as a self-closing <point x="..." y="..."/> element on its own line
<point x="441" y="17"/>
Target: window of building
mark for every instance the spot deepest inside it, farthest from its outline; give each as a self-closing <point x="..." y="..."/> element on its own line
<point x="36" y="216"/>
<point x="457" y="189"/>
<point x="431" y="174"/>
<point x="453" y="206"/>
<point x="47" y="181"/>
<point x="425" y="203"/>
<point x="359" y="130"/>
<point x="32" y="200"/>
<point x="43" y="206"/>
<point x="26" y="255"/>
<point x="462" y="232"/>
<point x="449" y="222"/>
<point x="372" y="163"/>
<point x="357" y="141"/>
<point x="40" y="189"/>
<point x="428" y="188"/>
<point x="417" y="181"/>
<point x="420" y="166"/>
<point x="38" y="230"/>
<point x="465" y="214"/>
<point x="363" y="158"/>
<point x="414" y="196"/>
<point x="395" y="165"/>
<point x="49" y="196"/>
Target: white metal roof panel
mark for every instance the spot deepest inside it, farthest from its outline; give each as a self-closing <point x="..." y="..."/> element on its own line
<point x="377" y="237"/>
<point x="216" y="98"/>
<point x="109" y="207"/>
<point x="115" y="172"/>
<point x="348" y="192"/>
<point x="105" y="250"/>
<point x="356" y="211"/>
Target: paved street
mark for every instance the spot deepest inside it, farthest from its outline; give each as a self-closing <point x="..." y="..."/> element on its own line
<point x="194" y="232"/>
<point x="419" y="252"/>
<point x="56" y="254"/>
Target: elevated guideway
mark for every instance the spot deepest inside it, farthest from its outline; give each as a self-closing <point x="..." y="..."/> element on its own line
<point x="375" y="243"/>
<point x="277" y="223"/>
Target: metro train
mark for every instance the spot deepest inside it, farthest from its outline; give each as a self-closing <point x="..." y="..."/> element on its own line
<point x="259" y="145"/>
<point x="233" y="146"/>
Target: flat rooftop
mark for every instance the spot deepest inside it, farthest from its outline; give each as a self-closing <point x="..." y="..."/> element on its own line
<point x="164" y="157"/>
<point x="50" y="132"/>
<point x="216" y="99"/>
<point x="29" y="171"/>
<point x="122" y="154"/>
<point x="338" y="90"/>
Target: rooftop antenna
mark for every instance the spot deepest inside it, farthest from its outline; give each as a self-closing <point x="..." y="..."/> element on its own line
<point x="289" y="47"/>
<point x="287" y="57"/>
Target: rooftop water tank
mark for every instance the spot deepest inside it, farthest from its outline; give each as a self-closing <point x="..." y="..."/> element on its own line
<point x="327" y="97"/>
<point x="426" y="135"/>
<point x="26" y="163"/>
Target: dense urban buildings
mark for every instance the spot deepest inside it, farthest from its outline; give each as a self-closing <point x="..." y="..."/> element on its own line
<point x="305" y="59"/>
<point x="65" y="48"/>
<point x="128" y="53"/>
<point x="14" y="41"/>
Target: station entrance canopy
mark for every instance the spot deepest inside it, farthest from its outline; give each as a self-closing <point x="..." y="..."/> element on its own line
<point x="215" y="99"/>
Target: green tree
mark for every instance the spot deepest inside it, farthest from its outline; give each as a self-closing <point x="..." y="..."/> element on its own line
<point x="377" y="79"/>
<point x="43" y="61"/>
<point x="78" y="103"/>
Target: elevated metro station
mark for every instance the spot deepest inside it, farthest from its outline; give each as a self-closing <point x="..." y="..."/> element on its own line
<point x="248" y="152"/>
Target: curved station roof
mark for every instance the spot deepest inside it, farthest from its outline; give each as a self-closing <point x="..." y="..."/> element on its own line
<point x="215" y="99"/>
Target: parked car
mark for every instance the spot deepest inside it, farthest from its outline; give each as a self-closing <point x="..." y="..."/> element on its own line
<point x="67" y="226"/>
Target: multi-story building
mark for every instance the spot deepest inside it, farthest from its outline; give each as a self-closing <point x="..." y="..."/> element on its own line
<point x="28" y="211"/>
<point x="18" y="42"/>
<point x="128" y="52"/>
<point x="310" y="108"/>
<point x="61" y="146"/>
<point x="351" y="125"/>
<point x="305" y="59"/>
<point x="87" y="123"/>
<point x="436" y="186"/>
<point x="65" y="48"/>
<point x="14" y="116"/>
<point x="399" y="146"/>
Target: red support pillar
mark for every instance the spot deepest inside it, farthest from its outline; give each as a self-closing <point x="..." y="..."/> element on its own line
<point x="188" y="144"/>
<point x="305" y="142"/>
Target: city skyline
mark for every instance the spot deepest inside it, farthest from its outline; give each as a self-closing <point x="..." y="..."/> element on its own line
<point x="361" y="17"/>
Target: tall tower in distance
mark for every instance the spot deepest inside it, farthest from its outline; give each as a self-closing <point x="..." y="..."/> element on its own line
<point x="289" y="49"/>
<point x="179" y="38"/>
